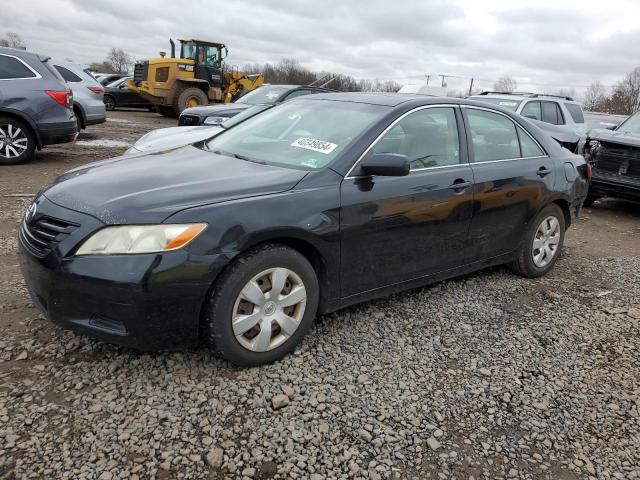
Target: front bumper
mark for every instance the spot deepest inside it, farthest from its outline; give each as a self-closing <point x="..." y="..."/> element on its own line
<point x="147" y="302"/>
<point x="617" y="186"/>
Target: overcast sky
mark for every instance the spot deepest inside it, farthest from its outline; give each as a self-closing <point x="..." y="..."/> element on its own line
<point x="543" y="44"/>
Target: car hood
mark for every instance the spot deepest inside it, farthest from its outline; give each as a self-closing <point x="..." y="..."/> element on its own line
<point x="172" y="137"/>
<point x="216" y="109"/>
<point x="150" y="188"/>
<point x="615" y="136"/>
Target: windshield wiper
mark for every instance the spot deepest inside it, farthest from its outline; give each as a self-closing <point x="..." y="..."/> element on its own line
<point x="239" y="157"/>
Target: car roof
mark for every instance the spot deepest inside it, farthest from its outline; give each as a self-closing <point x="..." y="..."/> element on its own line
<point x="391" y="99"/>
<point x="522" y="96"/>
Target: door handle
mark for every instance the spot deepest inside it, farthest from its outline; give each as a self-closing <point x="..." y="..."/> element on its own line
<point x="459" y="184"/>
<point x="543" y="172"/>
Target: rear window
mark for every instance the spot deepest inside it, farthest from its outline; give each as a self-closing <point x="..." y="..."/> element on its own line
<point x="53" y="71"/>
<point x="575" y="111"/>
<point x="67" y="74"/>
<point x="12" y="68"/>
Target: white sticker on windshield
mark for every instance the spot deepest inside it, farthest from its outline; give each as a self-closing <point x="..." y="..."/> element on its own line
<point x="315" y="145"/>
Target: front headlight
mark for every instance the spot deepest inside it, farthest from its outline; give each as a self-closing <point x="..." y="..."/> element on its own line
<point x="131" y="239"/>
<point x="214" y="120"/>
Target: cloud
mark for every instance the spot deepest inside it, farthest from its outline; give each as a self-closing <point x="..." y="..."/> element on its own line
<point x="545" y="43"/>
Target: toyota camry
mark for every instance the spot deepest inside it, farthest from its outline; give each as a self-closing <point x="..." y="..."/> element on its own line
<point x="241" y="240"/>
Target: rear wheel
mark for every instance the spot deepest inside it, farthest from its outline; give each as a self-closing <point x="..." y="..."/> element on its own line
<point x="542" y="243"/>
<point x="187" y="97"/>
<point x="17" y="141"/>
<point x="261" y="306"/>
<point x="109" y="102"/>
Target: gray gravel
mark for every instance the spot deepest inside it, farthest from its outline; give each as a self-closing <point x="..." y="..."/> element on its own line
<point x="487" y="376"/>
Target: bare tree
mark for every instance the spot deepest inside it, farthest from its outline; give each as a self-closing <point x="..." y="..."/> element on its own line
<point x="119" y="60"/>
<point x="595" y="97"/>
<point x="630" y="86"/>
<point x="13" y="40"/>
<point x="505" y="84"/>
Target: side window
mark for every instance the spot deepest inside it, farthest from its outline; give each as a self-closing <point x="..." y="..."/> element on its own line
<point x="428" y="137"/>
<point x="493" y="135"/>
<point x="551" y="113"/>
<point x="67" y="74"/>
<point x="532" y="110"/>
<point x="528" y="147"/>
<point x="560" y="114"/>
<point x="13" y="68"/>
<point x="575" y="111"/>
<point x="297" y="93"/>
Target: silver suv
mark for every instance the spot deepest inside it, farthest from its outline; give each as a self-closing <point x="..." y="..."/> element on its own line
<point x="87" y="93"/>
<point x="553" y="109"/>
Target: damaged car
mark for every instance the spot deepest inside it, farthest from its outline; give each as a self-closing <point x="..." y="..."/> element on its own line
<point x="615" y="159"/>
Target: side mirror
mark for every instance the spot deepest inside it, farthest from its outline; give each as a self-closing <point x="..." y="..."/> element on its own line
<point x="386" y="164"/>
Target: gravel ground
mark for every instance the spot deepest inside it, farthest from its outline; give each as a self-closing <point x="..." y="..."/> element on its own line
<point x="487" y="376"/>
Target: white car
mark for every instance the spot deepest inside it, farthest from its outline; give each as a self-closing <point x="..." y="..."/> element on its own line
<point x="174" y="137"/>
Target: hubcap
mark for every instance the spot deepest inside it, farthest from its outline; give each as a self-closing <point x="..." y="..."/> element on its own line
<point x="13" y="141"/>
<point x="269" y="309"/>
<point x="193" y="102"/>
<point x="546" y="241"/>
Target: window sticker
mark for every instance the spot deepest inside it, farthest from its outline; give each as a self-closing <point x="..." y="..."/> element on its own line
<point x="316" y="145"/>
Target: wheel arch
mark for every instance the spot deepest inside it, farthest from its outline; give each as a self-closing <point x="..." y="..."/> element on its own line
<point x="564" y="205"/>
<point x="78" y="109"/>
<point x="9" y="112"/>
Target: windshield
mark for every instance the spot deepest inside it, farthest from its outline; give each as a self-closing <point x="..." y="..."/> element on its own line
<point x="243" y="115"/>
<point x="631" y="125"/>
<point x="305" y="134"/>
<point x="267" y="94"/>
<point x="507" y="103"/>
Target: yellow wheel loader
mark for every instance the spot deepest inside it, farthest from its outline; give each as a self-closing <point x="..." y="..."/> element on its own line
<point x="196" y="78"/>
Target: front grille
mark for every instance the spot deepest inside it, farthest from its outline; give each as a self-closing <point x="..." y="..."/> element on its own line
<point x="140" y="72"/>
<point x="611" y="158"/>
<point x="44" y="234"/>
<point x="188" y="120"/>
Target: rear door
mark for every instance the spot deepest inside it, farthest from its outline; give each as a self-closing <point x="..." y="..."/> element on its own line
<point x="513" y="176"/>
<point x="395" y="229"/>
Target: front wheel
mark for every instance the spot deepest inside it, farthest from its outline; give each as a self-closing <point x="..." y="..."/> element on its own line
<point x="541" y="244"/>
<point x="261" y="306"/>
<point x="188" y="97"/>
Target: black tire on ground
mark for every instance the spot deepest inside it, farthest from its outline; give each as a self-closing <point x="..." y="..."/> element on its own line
<point x="166" y="111"/>
<point x="590" y="199"/>
<point x="186" y="93"/>
<point x="217" y="329"/>
<point x="109" y="103"/>
<point x="523" y="264"/>
<point x="13" y="151"/>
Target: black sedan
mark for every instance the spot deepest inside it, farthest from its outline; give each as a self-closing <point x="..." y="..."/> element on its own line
<point x="241" y="240"/>
<point x="615" y="157"/>
<point x="118" y="95"/>
<point x="266" y="95"/>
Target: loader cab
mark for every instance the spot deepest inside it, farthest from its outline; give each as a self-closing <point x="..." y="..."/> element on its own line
<point x="208" y="58"/>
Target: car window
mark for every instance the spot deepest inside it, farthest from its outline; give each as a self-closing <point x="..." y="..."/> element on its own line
<point x="508" y="103"/>
<point x="532" y="110"/>
<point x="493" y="135"/>
<point x="551" y="113"/>
<point x="528" y="146"/>
<point x="575" y="111"/>
<point x="11" y="68"/>
<point x="67" y="74"/>
<point x="297" y="93"/>
<point x="428" y="137"/>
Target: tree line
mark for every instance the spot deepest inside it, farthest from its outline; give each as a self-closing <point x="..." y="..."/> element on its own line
<point x="623" y="98"/>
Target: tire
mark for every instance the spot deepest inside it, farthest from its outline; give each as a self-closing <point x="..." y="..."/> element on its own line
<point x="591" y="198"/>
<point x="17" y="141"/>
<point x="189" y="97"/>
<point x="260" y="268"/>
<point x="525" y="264"/>
<point x="109" y="103"/>
<point x="166" y="111"/>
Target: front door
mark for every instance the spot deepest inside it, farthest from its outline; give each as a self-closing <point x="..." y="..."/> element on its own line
<point x="395" y="229"/>
<point x="208" y="65"/>
<point x="512" y="176"/>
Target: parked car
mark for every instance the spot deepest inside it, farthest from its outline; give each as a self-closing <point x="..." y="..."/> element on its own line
<point x="553" y="109"/>
<point x="118" y="95"/>
<point x="615" y="158"/>
<point x="87" y="93"/>
<point x="603" y="120"/>
<point x="107" y="78"/>
<point x="265" y="95"/>
<point x="172" y="137"/>
<point x="306" y="208"/>
<point x="36" y="106"/>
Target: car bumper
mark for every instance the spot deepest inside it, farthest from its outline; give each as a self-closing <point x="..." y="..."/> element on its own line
<point x="146" y="302"/>
<point x="60" y="132"/>
<point x="615" y="186"/>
